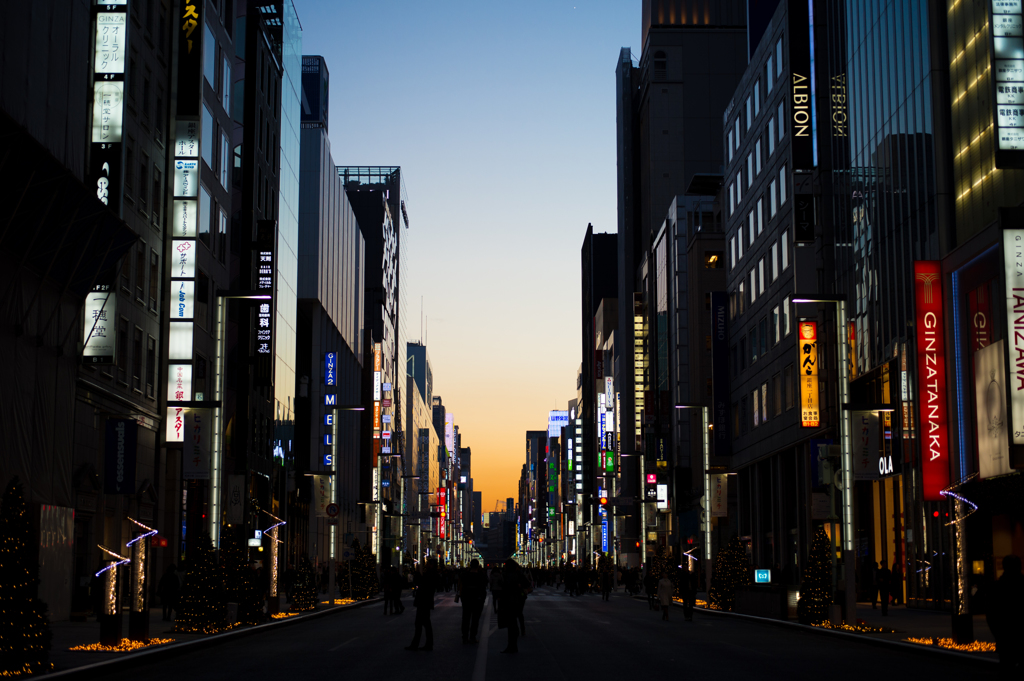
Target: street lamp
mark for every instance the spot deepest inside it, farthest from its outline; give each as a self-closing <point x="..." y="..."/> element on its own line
<point x="707" y="485"/>
<point x="845" y="443"/>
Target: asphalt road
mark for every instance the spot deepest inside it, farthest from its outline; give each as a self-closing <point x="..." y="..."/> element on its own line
<point x="567" y="638"/>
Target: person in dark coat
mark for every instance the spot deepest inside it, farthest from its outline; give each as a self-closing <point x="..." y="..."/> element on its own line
<point x="897" y="583"/>
<point x="168" y="592"/>
<point x="688" y="587"/>
<point x="472" y="591"/>
<point x="651" y="589"/>
<point x="397" y="582"/>
<point x="1005" y="617"/>
<point x="513" y="596"/>
<point x="425" y="585"/>
<point x="884" y="581"/>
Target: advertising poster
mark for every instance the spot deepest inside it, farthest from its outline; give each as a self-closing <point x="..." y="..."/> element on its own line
<point x="195" y="458"/>
<point x="720" y="495"/>
<point x="865" y="445"/>
<point x="321" y="494"/>
<point x="990" y="401"/>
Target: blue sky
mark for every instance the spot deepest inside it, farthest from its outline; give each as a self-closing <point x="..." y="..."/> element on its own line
<point x="502" y="116"/>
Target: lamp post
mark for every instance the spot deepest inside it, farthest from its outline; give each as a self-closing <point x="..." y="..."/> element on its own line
<point x="845" y="444"/>
<point x="706" y="447"/>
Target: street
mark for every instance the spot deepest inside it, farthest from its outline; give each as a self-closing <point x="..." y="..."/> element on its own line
<point x="567" y="638"/>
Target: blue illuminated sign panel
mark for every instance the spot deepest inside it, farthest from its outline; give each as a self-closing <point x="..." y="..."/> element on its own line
<point x="762" y="576"/>
<point x="330" y="368"/>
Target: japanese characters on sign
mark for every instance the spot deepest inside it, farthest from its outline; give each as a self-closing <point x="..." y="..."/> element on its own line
<point x="1007" y="47"/>
<point x="263" y="276"/>
<point x="931" y="378"/>
<point x="111" y="39"/>
<point x="99" y="337"/>
<point x="1013" y="269"/>
<point x="720" y="495"/>
<point x="807" y="346"/>
<point x="195" y="458"/>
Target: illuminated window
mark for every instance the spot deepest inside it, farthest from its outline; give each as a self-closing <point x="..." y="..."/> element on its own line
<point x="760" y="276"/>
<point x="750" y="226"/>
<point x="786" y="325"/>
<point x="739" y="238"/>
<point x="732" y="252"/>
<point x="785" y="249"/>
<point x="713" y="260"/>
<point x="778" y="58"/>
<point x="750" y="169"/>
<point x="775" y="260"/>
<point x="728" y="144"/>
<point x="776" y="329"/>
<point x="753" y="285"/>
<point x="756" y="410"/>
<point x="759" y="211"/>
<point x="732" y="197"/>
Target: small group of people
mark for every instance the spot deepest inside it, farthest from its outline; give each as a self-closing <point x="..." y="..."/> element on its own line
<point x="886" y="586"/>
<point x="509" y="588"/>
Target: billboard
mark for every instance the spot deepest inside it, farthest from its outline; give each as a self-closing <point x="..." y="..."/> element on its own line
<point x="807" y="346"/>
<point x="931" y="378"/>
<point x="99" y="336"/>
<point x="990" y="408"/>
<point x="1013" y="268"/>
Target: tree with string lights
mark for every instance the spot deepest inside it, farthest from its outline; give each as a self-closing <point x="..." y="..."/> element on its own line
<point x="24" y="626"/>
<point x="816" y="585"/>
<point x="730" y="571"/>
<point x="202" y="608"/>
<point x="364" y="572"/>
<point x="304" y="593"/>
<point x="240" y="580"/>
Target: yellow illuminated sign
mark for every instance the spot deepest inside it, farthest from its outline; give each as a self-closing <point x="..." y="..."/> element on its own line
<point x="808" y="349"/>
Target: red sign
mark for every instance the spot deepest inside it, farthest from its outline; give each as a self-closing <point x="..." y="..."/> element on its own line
<point x="931" y="378"/>
<point x="979" y="309"/>
<point x="442" y="504"/>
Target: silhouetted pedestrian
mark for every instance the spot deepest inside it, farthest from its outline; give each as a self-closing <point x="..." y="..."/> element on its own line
<point x="496" y="580"/>
<point x="897" y="583"/>
<point x="1005" y="617"/>
<point x="426" y="584"/>
<point x="651" y="589"/>
<point x="472" y="591"/>
<point x="168" y="592"/>
<point x="665" y="590"/>
<point x="883" y="580"/>
<point x="513" y="596"/>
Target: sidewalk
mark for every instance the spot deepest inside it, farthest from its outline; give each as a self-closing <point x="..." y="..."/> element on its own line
<point x="67" y="635"/>
<point x="907" y="623"/>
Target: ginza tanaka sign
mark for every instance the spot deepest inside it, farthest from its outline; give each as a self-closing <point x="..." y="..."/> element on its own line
<point x="931" y="378"/>
<point x="1013" y="264"/>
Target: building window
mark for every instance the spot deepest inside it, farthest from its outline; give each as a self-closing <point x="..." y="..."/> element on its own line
<point x="154" y="279"/>
<point x="750" y="169"/>
<point x="205" y="208"/>
<point x="207" y="139"/>
<point x="782" y="185"/>
<point x="742" y="297"/>
<point x="755" y="401"/>
<point x="732" y="197"/>
<point x="732" y="252"/>
<point x="771" y="136"/>
<point x="778" y="58"/>
<point x="739" y="238"/>
<point x="769" y="74"/>
<point x="757" y="98"/>
<point x="209" y="57"/>
<point x="202" y="299"/>
<point x="775" y="325"/>
<point x="785" y="249"/>
<point x="781" y="115"/>
<point x="222" y="236"/>
<point x="776" y="395"/>
<point x="140" y="272"/>
<point x="225" y="161"/>
<point x="764" y="402"/>
<point x="739" y="187"/>
<point x="122" y="354"/>
<point x="785" y="317"/>
<point x="735" y="420"/>
<point x="736" y="127"/>
<point x="750" y="113"/>
<point x="760" y="276"/>
<point x="750" y="227"/>
<point x="787" y="383"/>
<point x="144" y="183"/>
<point x="752" y="340"/>
<point x="225" y="85"/>
<point x="126" y="273"/>
<point x="759" y="211"/>
<point x="129" y="169"/>
<point x="137" y="360"/>
<point x="762" y="330"/>
<point x="199" y="378"/>
<point x="772" y="205"/>
<point x="150" y="367"/>
<point x="753" y="285"/>
<point x="775" y="260"/>
<point x="757" y="156"/>
<point x="728" y="145"/>
<point x="157" y="199"/>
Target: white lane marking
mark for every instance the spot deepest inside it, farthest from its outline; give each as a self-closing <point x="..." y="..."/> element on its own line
<point x="342" y="644"/>
<point x="480" y="668"/>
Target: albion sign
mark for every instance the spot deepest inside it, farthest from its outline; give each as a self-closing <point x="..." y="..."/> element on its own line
<point x="931" y="378"/>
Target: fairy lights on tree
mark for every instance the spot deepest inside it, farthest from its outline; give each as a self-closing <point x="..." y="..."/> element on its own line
<point x="816" y="586"/>
<point x="729" y="572"/>
<point x="202" y="606"/>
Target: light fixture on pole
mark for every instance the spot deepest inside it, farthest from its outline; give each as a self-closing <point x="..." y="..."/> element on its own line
<point x="845" y="444"/>
<point x="706" y="446"/>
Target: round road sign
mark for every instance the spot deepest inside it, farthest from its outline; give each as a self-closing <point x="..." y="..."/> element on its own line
<point x="332" y="510"/>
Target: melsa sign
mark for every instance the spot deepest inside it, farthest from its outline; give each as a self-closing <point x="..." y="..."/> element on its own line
<point x="931" y="378"/>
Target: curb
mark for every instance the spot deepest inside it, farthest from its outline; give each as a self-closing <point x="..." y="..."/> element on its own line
<point x="161" y="652"/>
<point x="862" y="638"/>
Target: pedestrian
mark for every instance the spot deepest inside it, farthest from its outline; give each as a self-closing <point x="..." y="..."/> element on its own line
<point x="472" y="591"/>
<point x="513" y="596"/>
<point x="884" y="581"/>
<point x="606" y="585"/>
<point x="665" y="590"/>
<point x="651" y="588"/>
<point x="426" y="585"/>
<point x="874" y="585"/>
<point x="496" y="580"/>
<point x="688" y="585"/>
<point x="1005" y="617"/>
<point x="897" y="583"/>
<point x="397" y="582"/>
<point x="168" y="592"/>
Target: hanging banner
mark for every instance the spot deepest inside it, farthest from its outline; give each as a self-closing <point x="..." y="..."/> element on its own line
<point x="1013" y="267"/>
<point x="120" y="453"/>
<point x="175" y="424"/>
<point x="808" y="348"/>
<point x="98" y="334"/>
<point x="195" y="458"/>
<point x="931" y="378"/>
<point x="720" y="495"/>
<point x="321" y="494"/>
<point x="236" y="499"/>
<point x="865" y="445"/>
<point x="990" y="407"/>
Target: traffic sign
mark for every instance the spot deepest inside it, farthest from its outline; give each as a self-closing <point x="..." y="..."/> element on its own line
<point x="332" y="510"/>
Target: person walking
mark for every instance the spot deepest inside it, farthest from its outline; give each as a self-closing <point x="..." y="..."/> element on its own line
<point x="513" y="596"/>
<point x="897" y="583"/>
<point x="874" y="585"/>
<point x="168" y="592"/>
<point x="651" y="589"/>
<point x="496" y="580"/>
<point x="606" y="585"/>
<point x="688" y="585"/>
<point x="472" y="591"/>
<point x="426" y="585"/>
<point x="884" y="581"/>
<point x="1005" y="617"/>
<point x="665" y="590"/>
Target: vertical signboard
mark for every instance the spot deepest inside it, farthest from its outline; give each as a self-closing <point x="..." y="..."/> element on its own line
<point x="801" y="92"/>
<point x="110" y="24"/>
<point x="99" y="345"/>
<point x="321" y="494"/>
<point x="1006" y="45"/>
<point x="807" y="346"/>
<point x="1013" y="269"/>
<point x="190" y="56"/>
<point x="720" y="372"/>
<point x="330" y="368"/>
<point x="195" y="458"/>
<point x="990" y="405"/>
<point x="236" y="499"/>
<point x="803" y="218"/>
<point x="720" y="495"/>
<point x="264" y="267"/>
<point x="120" y="454"/>
<point x="865" y="445"/>
<point x="442" y="507"/>
<point x="931" y="378"/>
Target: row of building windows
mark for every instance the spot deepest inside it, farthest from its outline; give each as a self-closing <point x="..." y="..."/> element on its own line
<point x="772" y="72"/>
<point x="758" y="157"/>
<point x="766" y="401"/>
<point x="756" y="219"/>
<point x="762" y="336"/>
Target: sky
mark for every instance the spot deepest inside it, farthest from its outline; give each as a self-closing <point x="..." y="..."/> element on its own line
<point x="502" y="117"/>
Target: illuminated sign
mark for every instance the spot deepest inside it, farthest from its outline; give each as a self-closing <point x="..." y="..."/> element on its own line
<point x="175" y="430"/>
<point x="99" y="332"/>
<point x="184" y="259"/>
<point x="931" y="378"/>
<point x="662" y="492"/>
<point x="184" y="218"/>
<point x="179" y="382"/>
<point x="807" y="347"/>
<point x="330" y="368"/>
<point x="376" y="419"/>
<point x="720" y="495"/>
<point x="179" y="345"/>
<point x="556" y="421"/>
<point x="762" y="576"/>
<point x="604" y="535"/>
<point x="195" y="456"/>
<point x="837" y="100"/>
<point x="376" y="385"/>
<point x="190" y="54"/>
<point x="801" y="97"/>
<point x="105" y="162"/>
<point x="442" y="502"/>
<point x="264" y="281"/>
<point x="110" y="42"/>
<point x="376" y="484"/>
<point x="990" y="398"/>
<point x="1013" y="268"/>
<point x="186" y="140"/>
<point x="449" y="432"/>
<point x="1007" y="49"/>
<point x="186" y="178"/>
